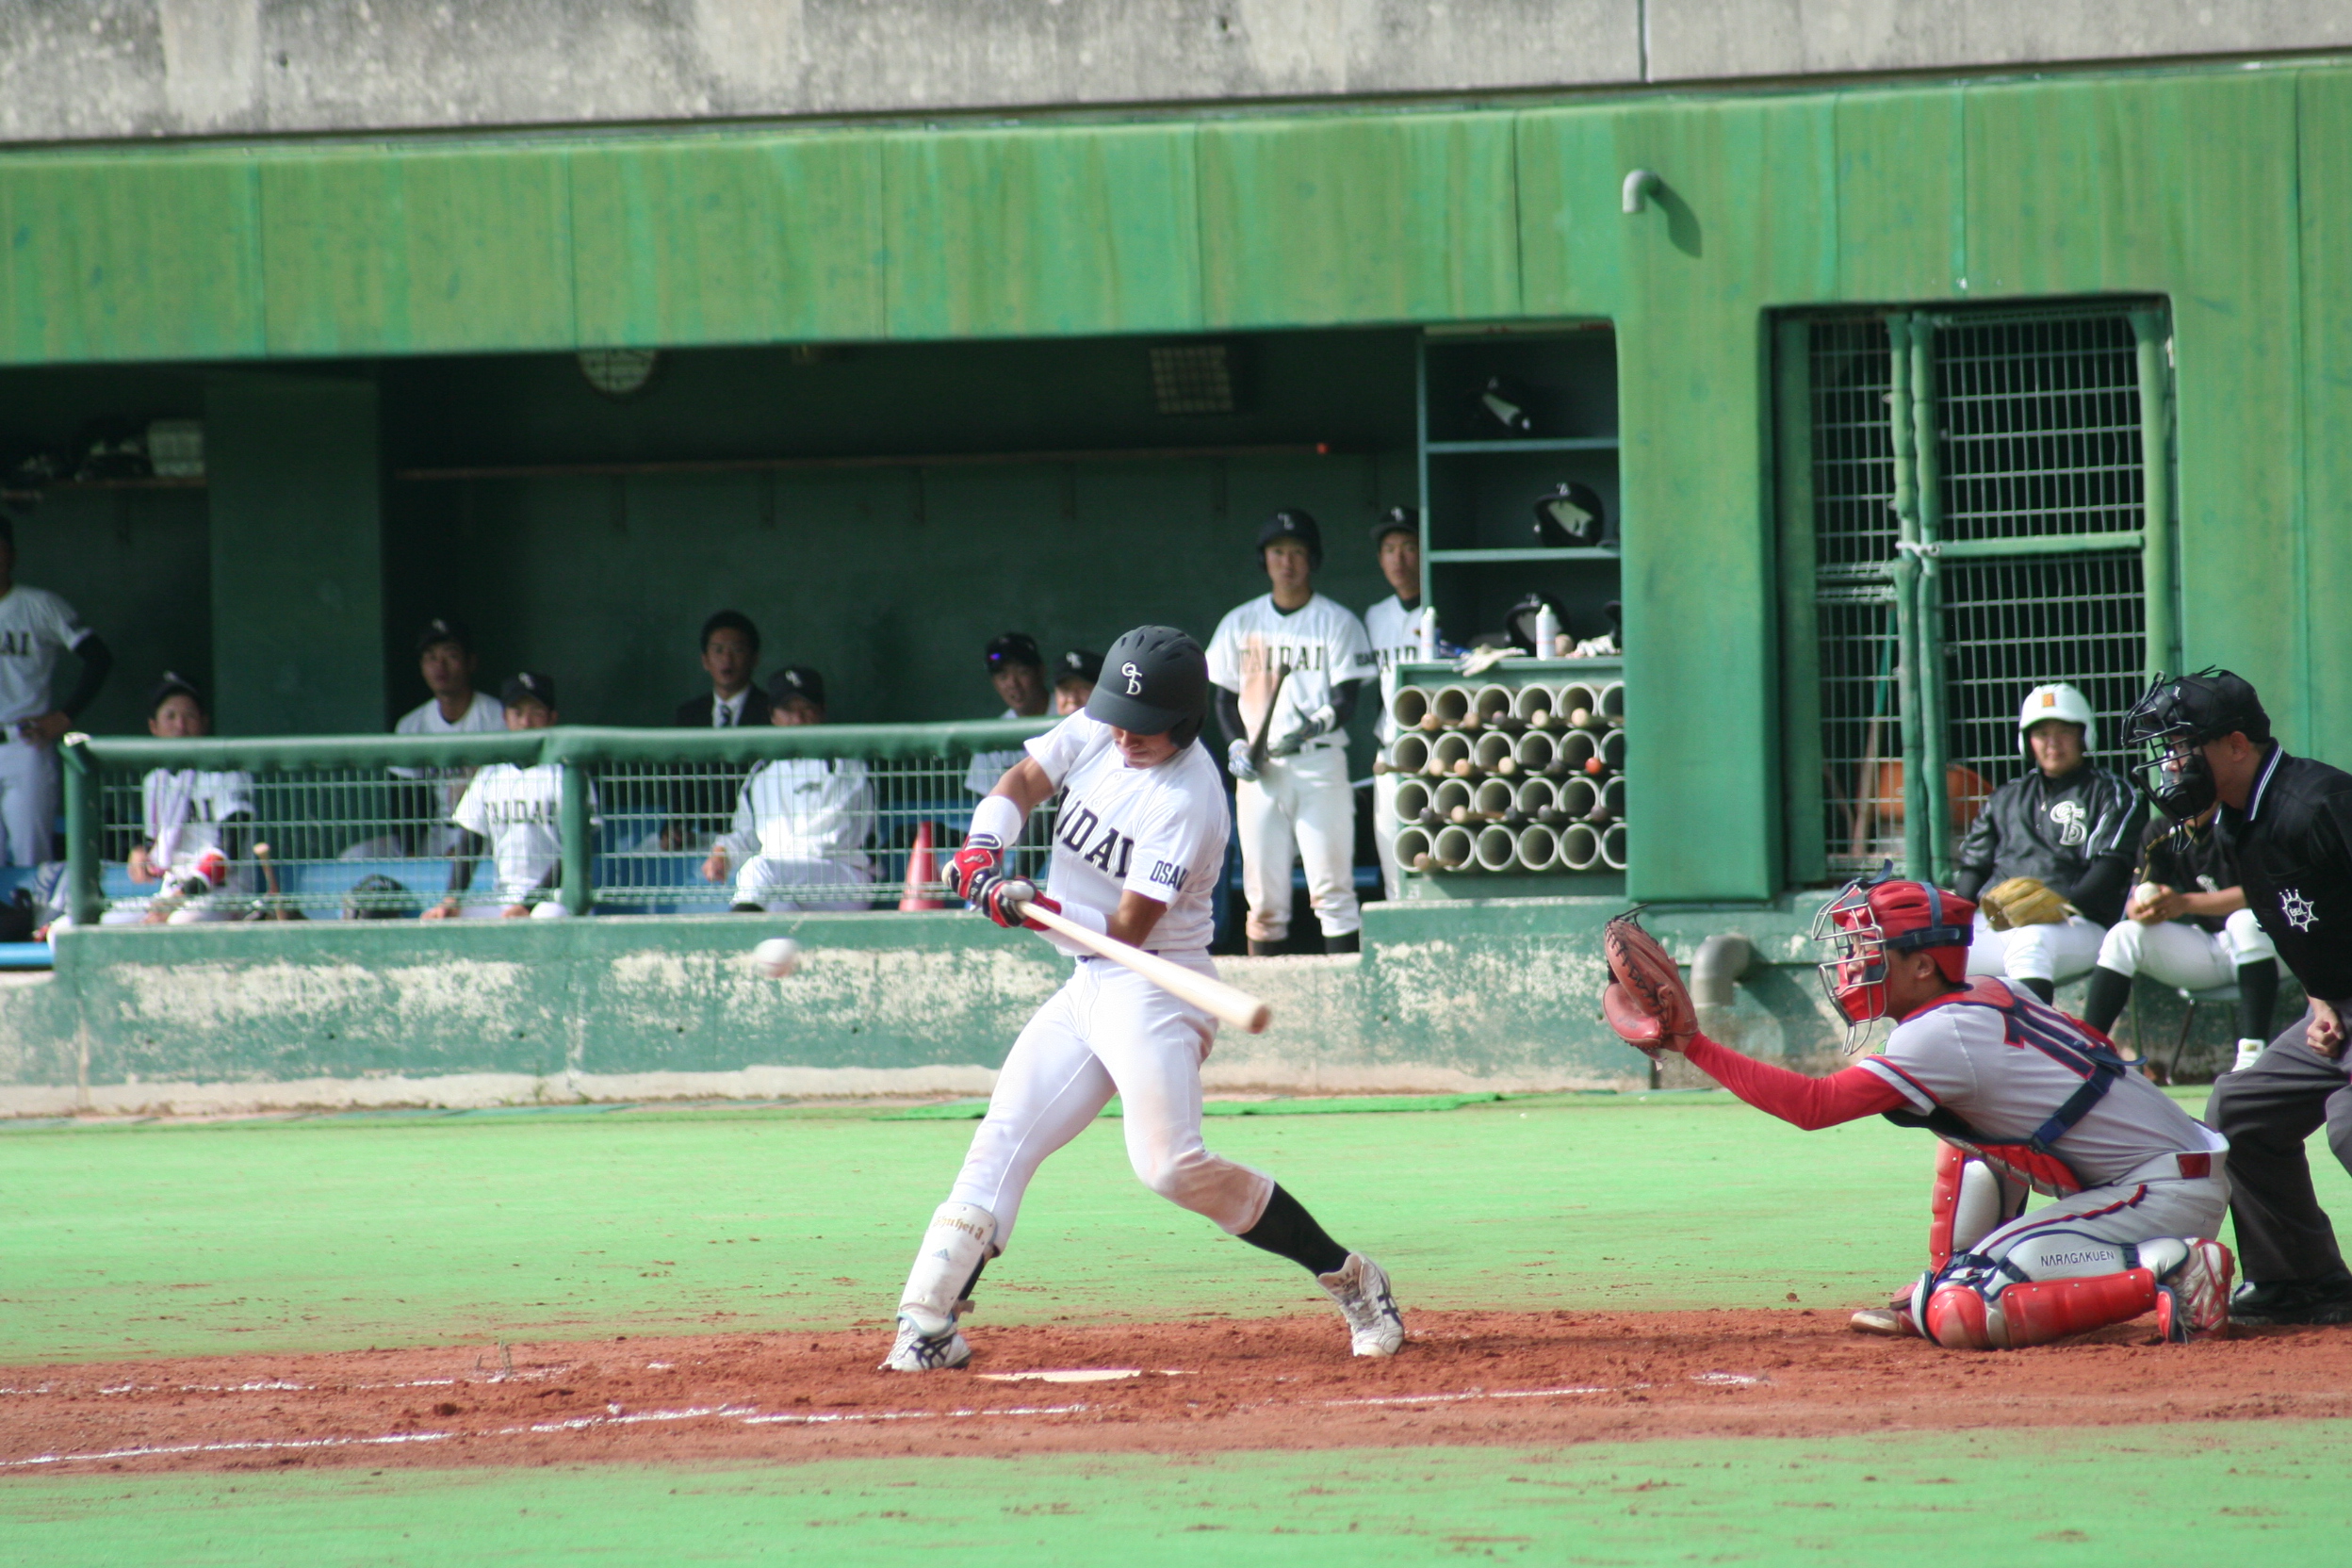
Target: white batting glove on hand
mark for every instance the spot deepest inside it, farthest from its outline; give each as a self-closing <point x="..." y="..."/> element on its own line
<point x="1237" y="762"/>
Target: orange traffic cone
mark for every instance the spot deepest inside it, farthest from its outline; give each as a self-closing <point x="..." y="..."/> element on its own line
<point x="921" y="871"/>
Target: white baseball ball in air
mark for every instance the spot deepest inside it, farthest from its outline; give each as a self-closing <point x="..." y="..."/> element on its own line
<point x="777" y="957"/>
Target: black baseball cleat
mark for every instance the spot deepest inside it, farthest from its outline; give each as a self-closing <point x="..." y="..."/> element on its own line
<point x="2294" y="1301"/>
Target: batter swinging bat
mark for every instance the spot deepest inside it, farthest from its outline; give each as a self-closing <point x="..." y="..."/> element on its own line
<point x="1229" y="1003"/>
<point x="1266" y="726"/>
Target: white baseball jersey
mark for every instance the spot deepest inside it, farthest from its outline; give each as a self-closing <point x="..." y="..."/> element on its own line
<point x="35" y="627"/>
<point x="1395" y="638"/>
<point x="1322" y="644"/>
<point x="989" y="767"/>
<point x="486" y="716"/>
<point x="2003" y="1062"/>
<point x="182" y="811"/>
<point x="805" y="809"/>
<point x="520" y="810"/>
<point x="1156" y="831"/>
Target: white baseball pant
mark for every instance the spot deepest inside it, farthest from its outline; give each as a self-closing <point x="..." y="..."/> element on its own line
<point x="1302" y="808"/>
<point x="2175" y="953"/>
<point x="2076" y="1238"/>
<point x="762" y="872"/>
<point x="28" y="800"/>
<point x="2054" y="952"/>
<point x="1110" y="1031"/>
<point x="1385" y="827"/>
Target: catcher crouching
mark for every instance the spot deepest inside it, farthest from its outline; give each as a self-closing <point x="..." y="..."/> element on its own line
<point x="2025" y="1100"/>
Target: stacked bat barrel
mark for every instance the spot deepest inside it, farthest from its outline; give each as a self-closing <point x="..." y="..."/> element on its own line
<point x="1510" y="778"/>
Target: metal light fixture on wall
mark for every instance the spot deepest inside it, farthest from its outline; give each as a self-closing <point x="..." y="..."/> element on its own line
<point x="618" y="372"/>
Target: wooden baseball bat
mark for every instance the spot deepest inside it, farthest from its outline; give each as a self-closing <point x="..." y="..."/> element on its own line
<point x="1229" y="1003"/>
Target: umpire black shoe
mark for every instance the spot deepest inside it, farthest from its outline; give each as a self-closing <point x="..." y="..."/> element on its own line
<point x="2294" y="1301"/>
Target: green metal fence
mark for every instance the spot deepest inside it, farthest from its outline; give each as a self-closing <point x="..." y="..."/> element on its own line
<point x="1986" y="503"/>
<point x="572" y="819"/>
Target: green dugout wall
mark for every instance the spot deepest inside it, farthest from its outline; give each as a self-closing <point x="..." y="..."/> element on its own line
<point x="2228" y="191"/>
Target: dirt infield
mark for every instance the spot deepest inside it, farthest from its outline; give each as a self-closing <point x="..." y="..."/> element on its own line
<point x="1467" y="1378"/>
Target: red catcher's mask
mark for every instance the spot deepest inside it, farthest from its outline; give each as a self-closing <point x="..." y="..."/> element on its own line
<point x="1874" y="916"/>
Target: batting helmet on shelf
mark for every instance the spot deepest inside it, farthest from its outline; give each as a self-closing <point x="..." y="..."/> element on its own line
<point x="2177" y="716"/>
<point x="2056" y="700"/>
<point x="1291" y="523"/>
<point x="1155" y="681"/>
<point x="1872" y="916"/>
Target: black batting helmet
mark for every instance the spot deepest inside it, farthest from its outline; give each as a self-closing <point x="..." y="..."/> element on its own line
<point x="1155" y="681"/>
<point x="1291" y="523"/>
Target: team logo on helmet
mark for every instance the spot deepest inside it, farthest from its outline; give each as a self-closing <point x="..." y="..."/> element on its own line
<point x="1135" y="679"/>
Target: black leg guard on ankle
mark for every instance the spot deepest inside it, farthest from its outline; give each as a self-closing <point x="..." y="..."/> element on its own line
<point x="1288" y="1231"/>
<point x="2046" y="989"/>
<point x="2110" y="990"/>
<point x="973" y="1283"/>
<point x="2258" y="998"/>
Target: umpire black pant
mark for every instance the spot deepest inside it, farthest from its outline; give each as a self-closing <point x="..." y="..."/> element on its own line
<point x="2266" y="1111"/>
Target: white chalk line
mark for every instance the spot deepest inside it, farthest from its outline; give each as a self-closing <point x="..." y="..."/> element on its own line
<point x="748" y="1415"/>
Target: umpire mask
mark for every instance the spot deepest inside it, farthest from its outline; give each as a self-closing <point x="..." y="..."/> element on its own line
<point x="2172" y="722"/>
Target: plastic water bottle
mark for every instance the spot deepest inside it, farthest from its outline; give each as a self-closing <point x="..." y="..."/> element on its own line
<point x="1546" y="633"/>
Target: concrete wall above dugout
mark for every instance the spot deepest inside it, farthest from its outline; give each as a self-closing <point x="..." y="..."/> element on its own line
<point x="2227" y="190"/>
<point x="82" y="70"/>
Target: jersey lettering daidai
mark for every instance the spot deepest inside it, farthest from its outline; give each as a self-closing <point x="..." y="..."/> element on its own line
<point x="2004" y="1063"/>
<point x="35" y="627"/>
<point x="805" y="809"/>
<point x="1157" y="831"/>
<point x="520" y="810"/>
<point x="183" y="809"/>
<point x="1321" y="644"/>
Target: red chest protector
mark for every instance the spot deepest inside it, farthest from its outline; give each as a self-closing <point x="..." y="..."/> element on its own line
<point x="2029" y="1025"/>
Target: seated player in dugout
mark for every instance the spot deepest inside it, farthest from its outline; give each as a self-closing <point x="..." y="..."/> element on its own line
<point x="197" y="824"/>
<point x="1140" y="851"/>
<point x="2049" y="858"/>
<point x="2287" y="821"/>
<point x="516" y="813"/>
<point x="445" y="658"/>
<point x="1289" y="666"/>
<point x="2186" y="924"/>
<point x="2024" y="1098"/>
<point x="801" y="823"/>
<point x="1074" y="674"/>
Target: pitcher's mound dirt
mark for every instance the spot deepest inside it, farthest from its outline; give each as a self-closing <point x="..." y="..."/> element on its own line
<point x="1465" y="1377"/>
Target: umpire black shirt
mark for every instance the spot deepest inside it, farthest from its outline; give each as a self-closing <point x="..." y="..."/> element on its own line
<point x="2293" y="848"/>
<point x="2076" y="834"/>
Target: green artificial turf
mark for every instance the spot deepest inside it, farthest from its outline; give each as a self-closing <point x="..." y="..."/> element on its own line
<point x="330" y="1233"/>
<point x="2229" y="1493"/>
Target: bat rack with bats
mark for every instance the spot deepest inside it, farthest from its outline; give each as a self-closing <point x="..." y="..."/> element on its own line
<point x="1229" y="1003"/>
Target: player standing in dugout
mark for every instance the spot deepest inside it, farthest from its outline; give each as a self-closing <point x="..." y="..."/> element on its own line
<point x="35" y="627"/>
<point x="1289" y="666"/>
<point x="1394" y="626"/>
<point x="2288" y="821"/>
<point x="1139" y="850"/>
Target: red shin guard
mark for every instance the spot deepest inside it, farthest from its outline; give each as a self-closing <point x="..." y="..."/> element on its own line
<point x="1943" y="1203"/>
<point x="2038" y="1311"/>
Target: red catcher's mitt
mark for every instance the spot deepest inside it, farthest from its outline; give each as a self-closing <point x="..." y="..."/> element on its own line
<point x="1646" y="1002"/>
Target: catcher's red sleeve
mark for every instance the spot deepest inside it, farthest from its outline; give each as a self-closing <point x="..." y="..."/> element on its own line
<point x="1808" y="1103"/>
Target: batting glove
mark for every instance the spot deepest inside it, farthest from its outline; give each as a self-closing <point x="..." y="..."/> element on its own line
<point x="998" y="896"/>
<point x="1237" y="762"/>
<point x="982" y="855"/>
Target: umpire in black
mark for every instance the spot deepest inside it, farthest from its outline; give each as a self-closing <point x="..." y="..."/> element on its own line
<point x="2288" y="820"/>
